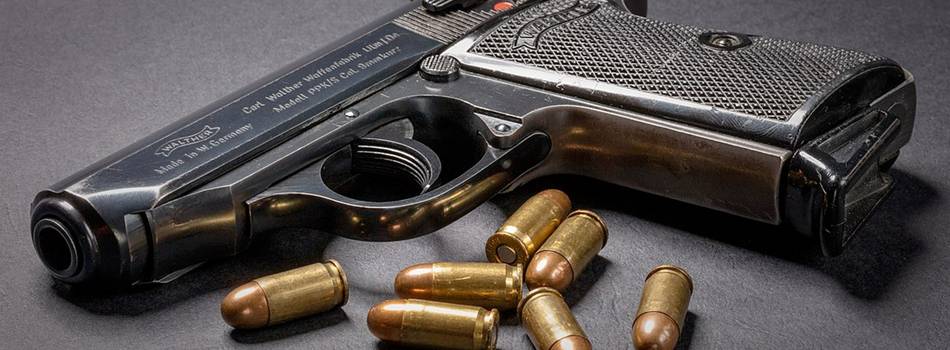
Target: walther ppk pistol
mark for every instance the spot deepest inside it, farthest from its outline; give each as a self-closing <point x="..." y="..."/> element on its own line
<point x="416" y="120"/>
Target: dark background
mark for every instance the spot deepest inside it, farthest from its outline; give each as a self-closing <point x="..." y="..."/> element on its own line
<point x="81" y="79"/>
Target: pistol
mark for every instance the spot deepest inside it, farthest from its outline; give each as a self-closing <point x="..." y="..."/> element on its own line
<point x="415" y="120"/>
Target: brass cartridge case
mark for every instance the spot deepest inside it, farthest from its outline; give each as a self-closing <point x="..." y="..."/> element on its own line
<point x="663" y="307"/>
<point x="286" y="296"/>
<point x="523" y="233"/>
<point x="489" y="285"/>
<point x="434" y="324"/>
<point x="569" y="250"/>
<point x="550" y="323"/>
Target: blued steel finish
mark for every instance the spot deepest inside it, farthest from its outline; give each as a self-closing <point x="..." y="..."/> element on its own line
<point x="489" y="285"/>
<point x="179" y="196"/>
<point x="280" y="153"/>
<point x="594" y="51"/>
<point x="434" y="324"/>
<point x="528" y="227"/>
<point x="547" y="318"/>
<point x="638" y="7"/>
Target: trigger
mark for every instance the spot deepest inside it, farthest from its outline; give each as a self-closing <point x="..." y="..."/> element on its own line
<point x="397" y="157"/>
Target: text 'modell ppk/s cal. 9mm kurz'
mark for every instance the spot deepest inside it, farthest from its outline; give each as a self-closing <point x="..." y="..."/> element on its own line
<point x="411" y="123"/>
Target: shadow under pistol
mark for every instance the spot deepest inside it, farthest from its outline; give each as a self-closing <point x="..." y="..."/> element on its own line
<point x="414" y="121"/>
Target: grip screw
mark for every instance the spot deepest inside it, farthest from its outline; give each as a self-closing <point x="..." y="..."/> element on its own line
<point x="724" y="41"/>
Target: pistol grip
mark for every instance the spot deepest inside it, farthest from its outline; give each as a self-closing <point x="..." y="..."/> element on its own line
<point x="766" y="93"/>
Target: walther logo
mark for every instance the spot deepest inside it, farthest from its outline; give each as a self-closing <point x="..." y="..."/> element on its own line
<point x="530" y="34"/>
<point x="167" y="148"/>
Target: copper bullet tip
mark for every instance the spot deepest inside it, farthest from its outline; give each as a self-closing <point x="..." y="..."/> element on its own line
<point x="549" y="269"/>
<point x="558" y="197"/>
<point x="655" y="331"/>
<point x="573" y="342"/>
<point x="415" y="282"/>
<point x="246" y="307"/>
<point x="385" y="320"/>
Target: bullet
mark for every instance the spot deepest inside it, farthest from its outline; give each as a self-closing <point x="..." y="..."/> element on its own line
<point x="286" y="296"/>
<point x="489" y="285"/>
<point x="565" y="254"/>
<point x="524" y="232"/>
<point x="662" y="310"/>
<point x="434" y="324"/>
<point x="550" y="323"/>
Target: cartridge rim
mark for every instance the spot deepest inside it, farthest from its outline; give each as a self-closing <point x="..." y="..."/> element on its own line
<point x="535" y="293"/>
<point x="492" y="319"/>
<point x="597" y="219"/>
<point x="343" y="280"/>
<point x="676" y="270"/>
<point x="519" y="281"/>
<point x="505" y="238"/>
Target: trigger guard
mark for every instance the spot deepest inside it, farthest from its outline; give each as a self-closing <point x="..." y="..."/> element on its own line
<point x="304" y="200"/>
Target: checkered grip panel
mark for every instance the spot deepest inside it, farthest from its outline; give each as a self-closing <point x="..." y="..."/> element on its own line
<point x="771" y="78"/>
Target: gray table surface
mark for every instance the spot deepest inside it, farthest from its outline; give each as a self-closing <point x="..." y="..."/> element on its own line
<point x="81" y="79"/>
